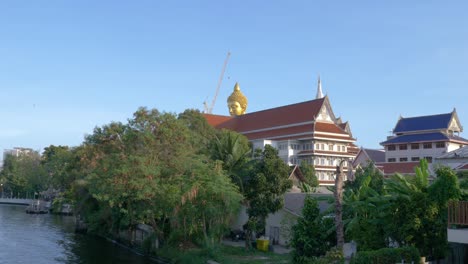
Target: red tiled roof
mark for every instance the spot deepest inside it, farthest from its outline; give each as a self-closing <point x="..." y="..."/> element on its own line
<point x="329" y="128"/>
<point x="462" y="167"/>
<point x="279" y="116"/>
<point x="272" y="122"/>
<point x="216" y="120"/>
<point x="400" y="167"/>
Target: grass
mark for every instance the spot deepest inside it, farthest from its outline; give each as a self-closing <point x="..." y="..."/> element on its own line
<point x="225" y="255"/>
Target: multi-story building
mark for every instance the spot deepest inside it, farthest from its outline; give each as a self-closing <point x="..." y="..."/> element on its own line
<point x="17" y="151"/>
<point x="425" y="137"/>
<point x="306" y="131"/>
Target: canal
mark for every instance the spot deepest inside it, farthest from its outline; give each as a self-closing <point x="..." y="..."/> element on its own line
<point x="48" y="239"/>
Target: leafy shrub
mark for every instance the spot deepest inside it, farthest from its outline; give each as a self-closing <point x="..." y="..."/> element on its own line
<point x="387" y="256"/>
<point x="333" y="256"/>
<point x="310" y="236"/>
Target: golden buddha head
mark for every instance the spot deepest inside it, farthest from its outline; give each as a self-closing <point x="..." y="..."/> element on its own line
<point x="237" y="102"/>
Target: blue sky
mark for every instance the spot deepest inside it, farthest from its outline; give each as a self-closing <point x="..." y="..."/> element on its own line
<point x="68" y="66"/>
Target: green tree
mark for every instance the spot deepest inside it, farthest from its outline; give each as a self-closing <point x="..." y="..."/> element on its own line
<point x="202" y="133"/>
<point x="361" y="175"/>
<point x="152" y="171"/>
<point x="310" y="235"/>
<point x="418" y="212"/>
<point x="363" y="210"/>
<point x="233" y="150"/>
<point x="23" y="175"/>
<point x="311" y="180"/>
<point x="58" y="162"/>
<point x="264" y="189"/>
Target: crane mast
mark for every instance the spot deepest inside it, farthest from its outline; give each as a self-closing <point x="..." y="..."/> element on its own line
<point x="209" y="109"/>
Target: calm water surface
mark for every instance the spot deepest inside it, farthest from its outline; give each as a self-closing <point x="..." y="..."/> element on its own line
<point x="49" y="239"/>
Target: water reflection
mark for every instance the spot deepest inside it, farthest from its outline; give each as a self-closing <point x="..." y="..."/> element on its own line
<point x="46" y="239"/>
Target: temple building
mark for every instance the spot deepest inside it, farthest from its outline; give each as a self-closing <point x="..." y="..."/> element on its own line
<point x="425" y="137"/>
<point x="306" y="131"/>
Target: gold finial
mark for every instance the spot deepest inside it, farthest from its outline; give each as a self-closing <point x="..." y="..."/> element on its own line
<point x="237" y="102"/>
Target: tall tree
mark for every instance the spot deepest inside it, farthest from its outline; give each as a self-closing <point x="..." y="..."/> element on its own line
<point x="418" y="213"/>
<point x="308" y="171"/>
<point x="264" y="189"/>
<point x="151" y="171"/>
<point x="23" y="175"/>
<point x="233" y="150"/>
<point x="310" y="235"/>
<point x="58" y="162"/>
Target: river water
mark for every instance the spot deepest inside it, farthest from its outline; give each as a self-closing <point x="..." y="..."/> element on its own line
<point x="49" y="239"/>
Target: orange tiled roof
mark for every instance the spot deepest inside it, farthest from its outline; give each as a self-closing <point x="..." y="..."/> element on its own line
<point x="394" y="167"/>
<point x="329" y="128"/>
<point x="279" y="116"/>
<point x="295" y="121"/>
<point x="216" y="120"/>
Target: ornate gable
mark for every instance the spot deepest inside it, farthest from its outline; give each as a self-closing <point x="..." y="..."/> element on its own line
<point x="454" y="124"/>
<point x="326" y="113"/>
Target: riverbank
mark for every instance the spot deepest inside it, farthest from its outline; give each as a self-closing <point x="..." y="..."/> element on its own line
<point x="224" y="254"/>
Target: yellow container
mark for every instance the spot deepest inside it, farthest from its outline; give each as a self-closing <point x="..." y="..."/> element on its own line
<point x="262" y="244"/>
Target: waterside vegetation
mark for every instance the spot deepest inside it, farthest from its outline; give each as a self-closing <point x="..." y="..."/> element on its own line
<point x="186" y="180"/>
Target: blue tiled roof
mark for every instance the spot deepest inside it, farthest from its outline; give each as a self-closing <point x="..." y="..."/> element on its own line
<point x="417" y="138"/>
<point x="423" y="123"/>
<point x="423" y="138"/>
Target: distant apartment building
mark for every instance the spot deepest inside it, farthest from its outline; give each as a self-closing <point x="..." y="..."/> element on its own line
<point x="17" y="151"/>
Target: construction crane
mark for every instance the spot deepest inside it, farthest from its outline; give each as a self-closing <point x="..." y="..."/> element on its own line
<point x="209" y="109"/>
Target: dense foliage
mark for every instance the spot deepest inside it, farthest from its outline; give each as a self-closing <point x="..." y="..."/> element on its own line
<point x="387" y="256"/>
<point x="407" y="211"/>
<point x="264" y="187"/>
<point x="311" y="236"/>
<point x="175" y="173"/>
<point x="23" y="175"/>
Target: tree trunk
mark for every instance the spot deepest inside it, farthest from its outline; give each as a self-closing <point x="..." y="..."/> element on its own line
<point x="339" y="206"/>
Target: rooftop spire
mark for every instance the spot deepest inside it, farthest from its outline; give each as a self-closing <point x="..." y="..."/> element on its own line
<point x="319" y="89"/>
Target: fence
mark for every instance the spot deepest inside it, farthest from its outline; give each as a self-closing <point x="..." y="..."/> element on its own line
<point x="458" y="213"/>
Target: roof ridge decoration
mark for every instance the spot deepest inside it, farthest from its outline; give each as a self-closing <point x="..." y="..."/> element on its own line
<point x="456" y="119"/>
<point x="319" y="89"/>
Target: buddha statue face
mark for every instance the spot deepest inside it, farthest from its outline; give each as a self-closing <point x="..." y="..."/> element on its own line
<point x="235" y="108"/>
<point x="237" y="102"/>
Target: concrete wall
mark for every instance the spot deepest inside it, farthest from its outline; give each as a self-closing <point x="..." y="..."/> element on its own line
<point x="457" y="235"/>
<point x="238" y="222"/>
<point x="278" y="227"/>
<point x="452" y="163"/>
<point x="15" y="201"/>
<point x="408" y="153"/>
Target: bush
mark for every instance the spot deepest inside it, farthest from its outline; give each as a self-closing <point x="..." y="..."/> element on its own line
<point x="387" y="256"/>
<point x="333" y="256"/>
